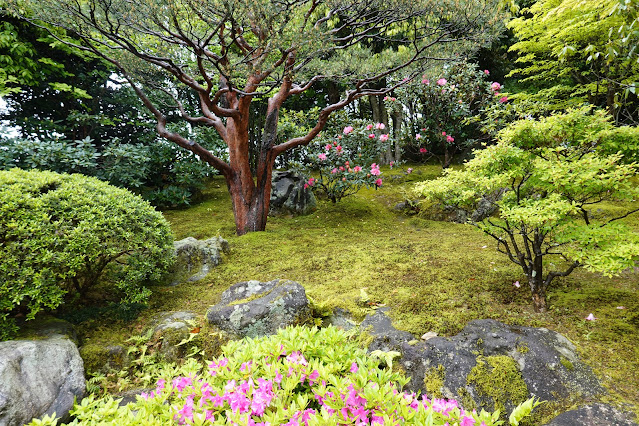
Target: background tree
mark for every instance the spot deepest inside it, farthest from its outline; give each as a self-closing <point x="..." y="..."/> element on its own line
<point x="229" y="53"/>
<point x="572" y="51"/>
<point x="551" y="177"/>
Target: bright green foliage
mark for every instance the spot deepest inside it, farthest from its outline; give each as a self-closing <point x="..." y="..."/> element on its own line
<point x="550" y="177"/>
<point x="575" y="51"/>
<point x="301" y="376"/>
<point x="61" y="235"/>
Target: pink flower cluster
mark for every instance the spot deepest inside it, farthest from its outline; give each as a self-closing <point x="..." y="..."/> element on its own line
<point x="375" y="169"/>
<point x="449" y="138"/>
<point x="389" y="98"/>
<point x="311" y="182"/>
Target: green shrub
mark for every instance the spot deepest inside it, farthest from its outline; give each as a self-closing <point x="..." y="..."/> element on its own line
<point x="61" y="235"/>
<point x="301" y="376"/>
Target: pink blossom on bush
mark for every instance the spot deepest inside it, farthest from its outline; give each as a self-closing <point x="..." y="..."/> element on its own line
<point x="426" y="81"/>
<point x="334" y="171"/>
<point x="418" y="136"/>
<point x="378" y="182"/>
<point x="328" y="147"/>
<point x="375" y="170"/>
<point x="450" y="139"/>
<point x="495" y="86"/>
<point x="311" y="181"/>
<point x="503" y="99"/>
<point x="322" y="156"/>
<point x="442" y="81"/>
<point x="486" y="72"/>
<point x="443" y="133"/>
<point x="392" y="164"/>
<point x="383" y="137"/>
<point x="354" y="368"/>
<point x="423" y="150"/>
<point x="380" y="126"/>
<point x="369" y="127"/>
<point x="348" y="129"/>
<point x="357" y="169"/>
<point x="371" y="136"/>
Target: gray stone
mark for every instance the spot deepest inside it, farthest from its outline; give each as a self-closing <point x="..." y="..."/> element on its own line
<point x="195" y="258"/>
<point x="104" y="358"/>
<point x="385" y="337"/>
<point x="46" y="327"/>
<point x="253" y="308"/>
<point x="593" y="415"/>
<point x="39" y="377"/>
<point x="545" y="360"/>
<point x="288" y="195"/>
<point x="340" y="318"/>
<point x="170" y="329"/>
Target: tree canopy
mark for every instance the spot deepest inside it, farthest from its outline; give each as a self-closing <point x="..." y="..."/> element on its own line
<point x="212" y="59"/>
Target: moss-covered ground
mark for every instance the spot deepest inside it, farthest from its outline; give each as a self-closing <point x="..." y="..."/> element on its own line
<point x="435" y="276"/>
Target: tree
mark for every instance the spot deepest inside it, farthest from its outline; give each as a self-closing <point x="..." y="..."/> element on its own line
<point x="552" y="177"/>
<point x="573" y="51"/>
<point x="230" y="53"/>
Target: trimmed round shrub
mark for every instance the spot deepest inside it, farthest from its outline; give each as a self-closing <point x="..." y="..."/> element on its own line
<point x="61" y="235"/>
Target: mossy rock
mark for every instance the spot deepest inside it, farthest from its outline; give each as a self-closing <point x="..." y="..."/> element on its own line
<point x="101" y="358"/>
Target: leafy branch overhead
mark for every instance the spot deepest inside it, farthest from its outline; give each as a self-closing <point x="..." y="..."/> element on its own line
<point x="212" y="59"/>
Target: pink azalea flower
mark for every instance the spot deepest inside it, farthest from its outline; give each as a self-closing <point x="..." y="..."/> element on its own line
<point x="450" y="139"/>
<point x="423" y="150"/>
<point x="443" y="133"/>
<point x="341" y="168"/>
<point x="442" y="81"/>
<point x="322" y="156"/>
<point x="357" y="169"/>
<point x="383" y="137"/>
<point x="392" y="163"/>
<point x="409" y="170"/>
<point x="311" y="181"/>
<point x="418" y="136"/>
<point x="343" y="179"/>
<point x="378" y="182"/>
<point x="590" y="317"/>
<point x="348" y="129"/>
<point x="328" y="147"/>
<point x="380" y="126"/>
<point x="370" y="126"/>
<point x="371" y="136"/>
<point x="354" y="368"/>
<point x="495" y="86"/>
<point x="486" y="72"/>
<point x="503" y="99"/>
<point x="426" y="81"/>
<point x="334" y="171"/>
<point x="467" y="421"/>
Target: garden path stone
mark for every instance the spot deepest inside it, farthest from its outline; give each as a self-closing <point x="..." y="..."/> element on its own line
<point x="253" y="308"/>
<point x="385" y="337"/>
<point x="467" y="367"/>
<point x="593" y="415"/>
<point x="39" y="377"/>
<point x="195" y="258"/>
<point x="288" y="195"/>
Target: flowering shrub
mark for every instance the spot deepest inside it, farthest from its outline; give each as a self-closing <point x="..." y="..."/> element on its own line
<point x="346" y="163"/>
<point x="301" y="376"/>
<point x="447" y="110"/>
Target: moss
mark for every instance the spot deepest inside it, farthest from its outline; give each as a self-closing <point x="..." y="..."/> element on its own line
<point x="98" y="358"/>
<point x="434" y="381"/>
<point x="523" y="348"/>
<point x="566" y="363"/>
<point x="498" y="381"/>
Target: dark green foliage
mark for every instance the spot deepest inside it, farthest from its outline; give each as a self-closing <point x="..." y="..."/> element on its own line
<point x="62" y="235"/>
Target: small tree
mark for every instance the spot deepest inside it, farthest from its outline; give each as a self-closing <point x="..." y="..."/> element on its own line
<point x="212" y="59"/>
<point x="551" y="176"/>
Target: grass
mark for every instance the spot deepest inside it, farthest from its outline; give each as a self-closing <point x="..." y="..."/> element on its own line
<point x="435" y="276"/>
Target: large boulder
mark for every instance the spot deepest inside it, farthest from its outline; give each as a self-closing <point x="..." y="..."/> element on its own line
<point x="492" y="365"/>
<point x="593" y="415"/>
<point x="384" y="336"/>
<point x="253" y="308"/>
<point x="39" y="377"/>
<point x="195" y="258"/>
<point x="288" y="195"/>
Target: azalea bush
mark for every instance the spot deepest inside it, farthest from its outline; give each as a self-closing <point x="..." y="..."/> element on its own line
<point x="347" y="162"/>
<point x="301" y="376"/>
<point x="447" y="110"/>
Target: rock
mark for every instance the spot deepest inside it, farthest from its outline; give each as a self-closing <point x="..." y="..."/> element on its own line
<point x="385" y="337"/>
<point x="408" y="207"/>
<point x="47" y="327"/>
<point x="340" y="318"/>
<point x="253" y="308"/>
<point x="429" y="335"/>
<point x="195" y="258"/>
<point x="288" y="195"/>
<point x="104" y="358"/>
<point x="169" y="329"/>
<point x="39" y="377"/>
<point x="492" y="365"/>
<point x="593" y="415"/>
